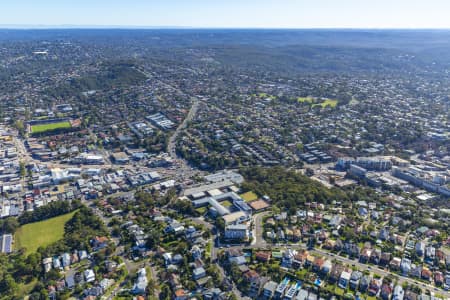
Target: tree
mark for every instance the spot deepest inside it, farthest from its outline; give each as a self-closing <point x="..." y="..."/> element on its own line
<point x="23" y="170"/>
<point x="20" y="127"/>
<point x="9" y="284"/>
<point x="115" y="231"/>
<point x="10" y="225"/>
<point x="154" y="237"/>
<point x="151" y="286"/>
<point x="220" y="224"/>
<point x="165" y="292"/>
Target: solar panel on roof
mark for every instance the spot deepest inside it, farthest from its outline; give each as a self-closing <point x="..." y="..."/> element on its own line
<point x="7" y="243"/>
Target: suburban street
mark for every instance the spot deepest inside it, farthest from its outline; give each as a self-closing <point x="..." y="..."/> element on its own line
<point x="260" y="244"/>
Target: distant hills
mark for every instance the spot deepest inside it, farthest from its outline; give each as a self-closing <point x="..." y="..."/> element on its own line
<point x="311" y="50"/>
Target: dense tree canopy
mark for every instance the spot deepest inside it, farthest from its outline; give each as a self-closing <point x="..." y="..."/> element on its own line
<point x="288" y="189"/>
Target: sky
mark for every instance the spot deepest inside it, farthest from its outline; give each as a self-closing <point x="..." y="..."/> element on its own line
<point x="228" y="13"/>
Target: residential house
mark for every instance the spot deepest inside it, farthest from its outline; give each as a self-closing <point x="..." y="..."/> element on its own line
<point x="375" y="256"/>
<point x="74" y="258"/>
<point x="56" y="263"/>
<point x="302" y="295"/>
<point x="174" y="281"/>
<point x="398" y="293"/>
<point x="386" y="291"/>
<point x="263" y="256"/>
<point x="288" y="257"/>
<point x="309" y="260"/>
<point x="196" y="252"/>
<point x="300" y="259"/>
<point x="180" y="294"/>
<point x="70" y="281"/>
<point x="430" y="254"/>
<point x="82" y="254"/>
<point x="339" y="245"/>
<point x="420" y="248"/>
<point x="354" y="279"/>
<point x="335" y="273"/>
<point x="141" y="283"/>
<point x="47" y="262"/>
<point x="318" y="263"/>
<point x="89" y="275"/>
<point x="447" y="282"/>
<point x="345" y="278"/>
<point x="351" y="249"/>
<point x="167" y="258"/>
<point x="198" y="273"/>
<point x="410" y="295"/>
<point x="214" y="294"/>
<point x="326" y="267"/>
<point x="438" y="278"/>
<point x="329" y="244"/>
<point x="253" y="278"/>
<point x="269" y="289"/>
<point x="385" y="258"/>
<point x="405" y="266"/>
<point x="395" y="263"/>
<point x="426" y="274"/>
<point x="99" y="242"/>
<point x="281" y="288"/>
<point x="238" y="260"/>
<point x="105" y="283"/>
<point x="416" y="271"/>
<point x="60" y="285"/>
<point x="374" y="286"/>
<point x="364" y="257"/>
<point x="65" y="258"/>
<point x="384" y="234"/>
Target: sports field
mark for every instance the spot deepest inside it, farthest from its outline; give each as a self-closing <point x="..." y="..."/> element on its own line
<point x="329" y="102"/>
<point x="318" y="102"/>
<point x="305" y="99"/>
<point x="41" y="234"/>
<point x="50" y="126"/>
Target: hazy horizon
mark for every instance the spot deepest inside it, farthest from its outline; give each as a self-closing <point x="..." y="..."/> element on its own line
<point x="231" y="14"/>
<point x="143" y="27"/>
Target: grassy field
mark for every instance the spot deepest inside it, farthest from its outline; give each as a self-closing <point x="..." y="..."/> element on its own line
<point x="329" y="102"/>
<point x="305" y="99"/>
<point x="201" y="210"/>
<point x="51" y="126"/>
<point x="338" y="291"/>
<point x="249" y="196"/>
<point x="34" y="235"/>
<point x="226" y="203"/>
<point x="265" y="95"/>
<point x="318" y="102"/>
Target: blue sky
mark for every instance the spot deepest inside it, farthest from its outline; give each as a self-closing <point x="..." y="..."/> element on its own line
<point x="230" y="13"/>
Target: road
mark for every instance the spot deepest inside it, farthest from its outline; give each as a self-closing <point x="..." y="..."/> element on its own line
<point x="257" y="232"/>
<point x="214" y="249"/>
<point x="172" y="141"/>
<point x="360" y="266"/>
<point x="192" y="112"/>
<point x="234" y="289"/>
<point x="183" y="168"/>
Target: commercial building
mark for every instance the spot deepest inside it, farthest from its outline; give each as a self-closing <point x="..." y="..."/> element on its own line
<point x="237" y="232"/>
